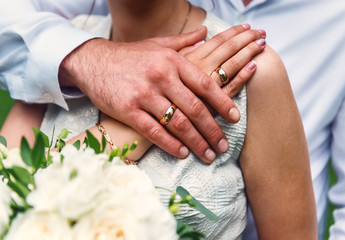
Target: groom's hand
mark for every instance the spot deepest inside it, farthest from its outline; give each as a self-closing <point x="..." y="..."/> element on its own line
<point x="137" y="82"/>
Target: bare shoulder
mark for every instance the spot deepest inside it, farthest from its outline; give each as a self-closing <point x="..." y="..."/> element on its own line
<point x="270" y="68"/>
<point x="271" y="72"/>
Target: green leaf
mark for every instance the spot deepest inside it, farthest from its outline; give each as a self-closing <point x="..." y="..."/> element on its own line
<point x="45" y="137"/>
<point x="124" y="150"/>
<point x="19" y="188"/>
<point x="133" y="146"/>
<point x="198" y="206"/>
<point x="64" y="133"/>
<point x="25" y="152"/>
<point x="62" y="157"/>
<point x="186" y="232"/>
<point x="73" y="174"/>
<point x="21" y="175"/>
<point x="104" y="143"/>
<point x="86" y="142"/>
<point x="37" y="154"/>
<point x="93" y="142"/>
<point x="3" y="140"/>
<point x="114" y="153"/>
<point x="76" y="144"/>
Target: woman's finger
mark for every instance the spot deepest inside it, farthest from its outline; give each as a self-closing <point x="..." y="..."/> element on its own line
<point x="232" y="67"/>
<point x="227" y="53"/>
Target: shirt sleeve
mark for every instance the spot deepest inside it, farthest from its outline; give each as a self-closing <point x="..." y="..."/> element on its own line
<point x="337" y="192"/>
<point x="35" y="36"/>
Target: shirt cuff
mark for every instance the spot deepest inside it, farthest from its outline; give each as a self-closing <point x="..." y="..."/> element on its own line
<point x="48" y="49"/>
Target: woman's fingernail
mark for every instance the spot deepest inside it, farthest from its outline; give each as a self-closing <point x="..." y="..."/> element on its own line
<point x="261" y="42"/>
<point x="184" y="152"/>
<point x="262" y="32"/>
<point x="246" y="26"/>
<point x="223" y="145"/>
<point x="251" y="66"/>
<point x="210" y="155"/>
<point x="234" y="114"/>
<point x="199" y="43"/>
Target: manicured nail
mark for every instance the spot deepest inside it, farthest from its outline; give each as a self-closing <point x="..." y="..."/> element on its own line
<point x="251" y="66"/>
<point x="210" y="155"/>
<point x="223" y="145"/>
<point x="184" y="152"/>
<point x="234" y="114"/>
<point x="261" y="42"/>
<point x="199" y="43"/>
<point x="262" y="32"/>
<point x="246" y="26"/>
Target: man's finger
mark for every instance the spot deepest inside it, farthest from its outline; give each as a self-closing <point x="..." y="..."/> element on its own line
<point x="184" y="40"/>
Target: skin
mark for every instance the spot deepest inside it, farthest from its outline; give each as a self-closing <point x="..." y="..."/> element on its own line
<point x="274" y="158"/>
<point x="93" y="68"/>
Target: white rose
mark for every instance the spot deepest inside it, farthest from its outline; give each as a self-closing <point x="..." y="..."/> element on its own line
<point x="49" y="184"/>
<point x="117" y="218"/>
<point x="85" y="190"/>
<point x="73" y="186"/>
<point x="129" y="179"/>
<point x="39" y="226"/>
<point x="133" y="189"/>
<point x="5" y="210"/>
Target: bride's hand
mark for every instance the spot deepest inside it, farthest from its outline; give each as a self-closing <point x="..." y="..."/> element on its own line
<point x="233" y="51"/>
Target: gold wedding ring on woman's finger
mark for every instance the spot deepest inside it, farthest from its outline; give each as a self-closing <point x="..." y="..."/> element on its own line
<point x="222" y="75"/>
<point x="168" y="114"/>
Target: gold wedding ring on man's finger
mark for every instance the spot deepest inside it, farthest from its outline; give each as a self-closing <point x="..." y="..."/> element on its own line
<point x="222" y="75"/>
<point x="168" y="114"/>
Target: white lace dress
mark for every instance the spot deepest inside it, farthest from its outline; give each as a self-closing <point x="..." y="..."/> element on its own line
<point x="218" y="186"/>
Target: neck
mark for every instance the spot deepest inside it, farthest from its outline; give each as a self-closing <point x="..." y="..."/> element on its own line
<point x="246" y="2"/>
<point x="135" y="20"/>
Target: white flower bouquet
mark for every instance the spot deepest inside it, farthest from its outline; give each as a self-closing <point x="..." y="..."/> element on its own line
<point x="82" y="192"/>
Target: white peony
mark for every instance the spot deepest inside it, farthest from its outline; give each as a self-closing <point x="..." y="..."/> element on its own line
<point x="130" y="209"/>
<point x="104" y="200"/>
<point x="5" y="210"/>
<point x="74" y="187"/>
<point x="127" y="217"/>
<point x="39" y="226"/>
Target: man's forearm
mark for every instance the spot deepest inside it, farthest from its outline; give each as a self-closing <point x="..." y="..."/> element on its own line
<point x="34" y="43"/>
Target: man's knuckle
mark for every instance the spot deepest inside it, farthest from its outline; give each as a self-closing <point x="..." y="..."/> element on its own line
<point x="197" y="107"/>
<point x="205" y="82"/>
<point x="230" y="87"/>
<point x="153" y="133"/>
<point x="181" y="123"/>
<point x="168" y="54"/>
<point x="215" y="133"/>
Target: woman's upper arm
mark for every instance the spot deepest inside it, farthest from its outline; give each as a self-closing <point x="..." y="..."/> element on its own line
<point x="20" y="121"/>
<point x="275" y="159"/>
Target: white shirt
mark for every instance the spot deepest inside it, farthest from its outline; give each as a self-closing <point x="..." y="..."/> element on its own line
<point x="36" y="43"/>
<point x="309" y="35"/>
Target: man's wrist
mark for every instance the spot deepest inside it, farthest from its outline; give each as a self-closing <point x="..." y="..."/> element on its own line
<point x="71" y="64"/>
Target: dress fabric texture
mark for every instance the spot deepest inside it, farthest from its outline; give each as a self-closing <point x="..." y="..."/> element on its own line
<point x="219" y="186"/>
